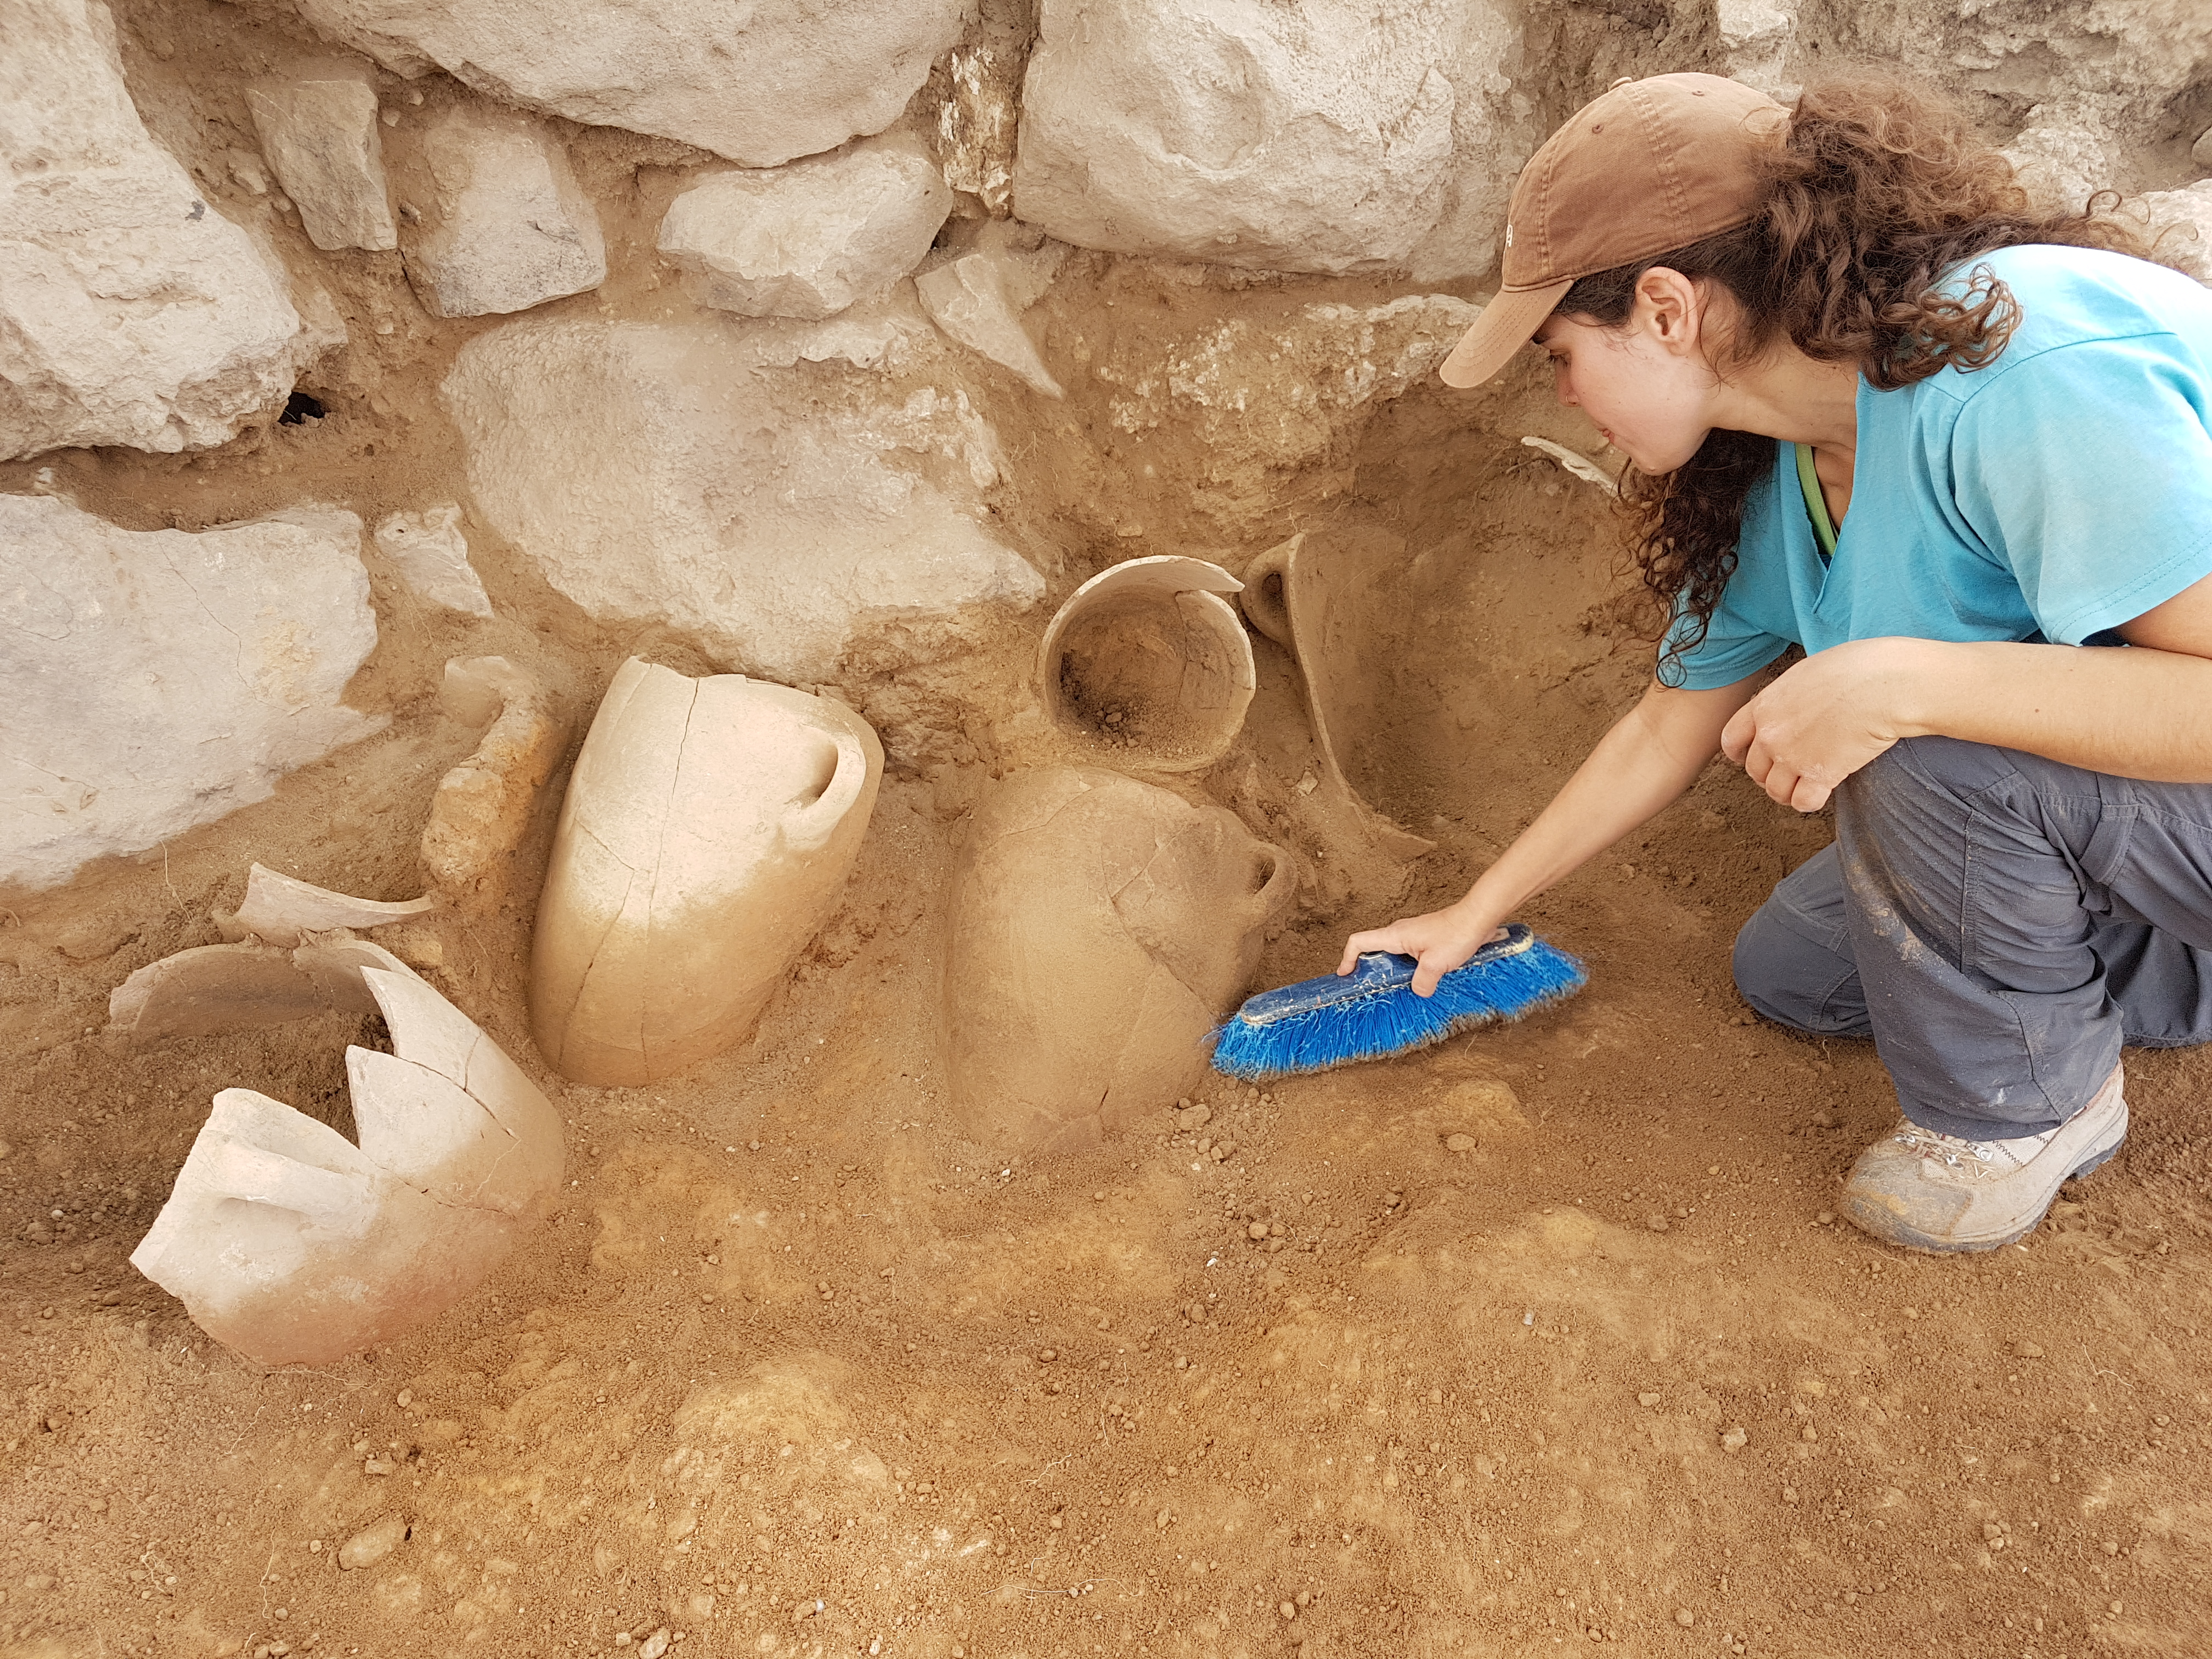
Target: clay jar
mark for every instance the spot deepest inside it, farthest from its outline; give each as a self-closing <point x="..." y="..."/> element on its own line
<point x="1100" y="928"/>
<point x="708" y="828"/>
<point x="1148" y="666"/>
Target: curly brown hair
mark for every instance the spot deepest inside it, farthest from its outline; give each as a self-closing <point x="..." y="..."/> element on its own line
<point x="1876" y="193"/>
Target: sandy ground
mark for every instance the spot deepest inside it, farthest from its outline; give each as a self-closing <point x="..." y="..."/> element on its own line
<point x="795" y="1370"/>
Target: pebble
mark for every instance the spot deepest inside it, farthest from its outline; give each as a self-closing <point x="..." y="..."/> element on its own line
<point x="1460" y="1143"/>
<point x="1257" y="1230"/>
<point x="2028" y="1350"/>
<point x="656" y="1644"/>
<point x="372" y="1542"/>
<point x="1685" y="1618"/>
<point x="1735" y="1440"/>
<point x="1288" y="1609"/>
<point x="1658" y="1224"/>
<point x="1647" y="1398"/>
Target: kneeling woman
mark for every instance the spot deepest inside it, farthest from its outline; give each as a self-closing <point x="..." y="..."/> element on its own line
<point x="1878" y="409"/>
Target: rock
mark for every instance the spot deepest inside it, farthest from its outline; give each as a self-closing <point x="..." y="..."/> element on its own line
<point x="978" y="299"/>
<point x="1461" y="1143"/>
<point x="760" y="84"/>
<point x="373" y="1543"/>
<point x="504" y="226"/>
<point x="131" y="312"/>
<point x="2068" y="152"/>
<point x="320" y="140"/>
<point x="1318" y="136"/>
<point x="1757" y="35"/>
<point x="155" y="680"/>
<point x="293" y="1245"/>
<point x="482" y="807"/>
<point x="808" y="240"/>
<point x="1735" y="1440"/>
<point x="432" y="558"/>
<point x="2201" y="151"/>
<point x="1685" y="1618"/>
<point x="662" y="473"/>
<point x="977" y="123"/>
<point x="2180" y="226"/>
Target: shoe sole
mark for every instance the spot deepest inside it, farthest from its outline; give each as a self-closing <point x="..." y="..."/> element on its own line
<point x="1881" y="1225"/>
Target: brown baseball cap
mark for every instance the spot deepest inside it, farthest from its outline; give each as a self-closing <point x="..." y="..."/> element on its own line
<point x="1652" y="166"/>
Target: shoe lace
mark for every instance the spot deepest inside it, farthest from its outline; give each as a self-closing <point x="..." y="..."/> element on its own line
<point x="1949" y="1150"/>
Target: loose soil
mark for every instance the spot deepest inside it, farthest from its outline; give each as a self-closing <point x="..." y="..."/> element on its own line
<point x="1543" y="1338"/>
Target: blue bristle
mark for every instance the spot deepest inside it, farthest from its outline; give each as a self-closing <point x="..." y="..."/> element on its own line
<point x="1395" y="1022"/>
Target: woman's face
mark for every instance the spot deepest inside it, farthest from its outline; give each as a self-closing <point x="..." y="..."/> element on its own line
<point x="1643" y="381"/>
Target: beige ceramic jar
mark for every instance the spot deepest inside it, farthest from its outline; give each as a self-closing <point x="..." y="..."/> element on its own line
<point x="1101" y="928"/>
<point x="709" y="829"/>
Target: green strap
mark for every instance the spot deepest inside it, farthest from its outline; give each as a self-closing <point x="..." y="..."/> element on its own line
<point x="1816" y="503"/>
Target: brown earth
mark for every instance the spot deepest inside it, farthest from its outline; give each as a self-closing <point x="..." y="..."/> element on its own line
<point x="1298" y="1378"/>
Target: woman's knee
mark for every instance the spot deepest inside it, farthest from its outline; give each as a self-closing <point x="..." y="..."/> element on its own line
<point x="1792" y="960"/>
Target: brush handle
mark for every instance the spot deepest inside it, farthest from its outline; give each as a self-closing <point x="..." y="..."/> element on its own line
<point x="1375" y="973"/>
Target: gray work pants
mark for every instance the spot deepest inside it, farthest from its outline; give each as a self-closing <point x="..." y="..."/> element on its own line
<point x="2000" y="925"/>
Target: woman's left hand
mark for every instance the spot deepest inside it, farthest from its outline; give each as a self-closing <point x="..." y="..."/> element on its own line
<point x="1822" y="720"/>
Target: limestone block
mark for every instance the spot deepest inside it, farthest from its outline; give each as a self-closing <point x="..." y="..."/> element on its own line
<point x="320" y="140"/>
<point x="676" y="474"/>
<point x="482" y="807"/>
<point x="2068" y="151"/>
<point x="131" y="312"/>
<point x="504" y="225"/>
<point x="1100" y="928"/>
<point x="1757" y="35"/>
<point x="293" y="1245"/>
<point x="1148" y="662"/>
<point x="707" y="835"/>
<point x="432" y="558"/>
<point x="155" y="680"/>
<point x="809" y="238"/>
<point x="759" y="84"/>
<point x="978" y="299"/>
<point x="1320" y="136"/>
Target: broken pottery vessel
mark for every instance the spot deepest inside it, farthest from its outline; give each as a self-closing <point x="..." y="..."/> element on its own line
<point x="484" y="806"/>
<point x="1148" y="666"/>
<point x="707" y="831"/>
<point x="293" y="1245"/>
<point x="1100" y="928"/>
<point x="1316" y="595"/>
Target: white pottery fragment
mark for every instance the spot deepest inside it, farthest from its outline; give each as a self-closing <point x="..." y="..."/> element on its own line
<point x="759" y="83"/>
<point x="320" y="139"/>
<point x="432" y="558"/>
<point x="707" y="835"/>
<point x="1148" y="664"/>
<point x="504" y="225"/>
<point x="277" y="909"/>
<point x="157" y="679"/>
<point x="292" y="1245"/>
<point x="808" y="240"/>
<point x="131" y="311"/>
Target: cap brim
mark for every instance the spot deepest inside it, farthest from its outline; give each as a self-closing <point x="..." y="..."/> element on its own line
<point x="1503" y="329"/>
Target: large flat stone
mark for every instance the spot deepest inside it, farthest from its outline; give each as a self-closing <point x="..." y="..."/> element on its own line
<point x="131" y="312"/>
<point x="675" y="474"/>
<point x="808" y="240"/>
<point x="155" y="680"/>
<point x="759" y="83"/>
<point x="1317" y="135"/>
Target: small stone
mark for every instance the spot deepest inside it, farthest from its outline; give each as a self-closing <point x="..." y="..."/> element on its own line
<point x="1811" y="1433"/>
<point x="1825" y="1219"/>
<point x="1685" y="1618"/>
<point x="1735" y="1440"/>
<point x="2028" y="1350"/>
<point x="1460" y="1143"/>
<point x="1288" y="1609"/>
<point x="1658" y="1224"/>
<point x="1257" y="1230"/>
<point x="373" y="1543"/>
<point x="2201" y="151"/>
<point x="1912" y="1313"/>
<point x="1647" y="1398"/>
<point x="656" y="1644"/>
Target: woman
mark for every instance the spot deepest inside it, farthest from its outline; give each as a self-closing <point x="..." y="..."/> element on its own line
<point x="1878" y="409"/>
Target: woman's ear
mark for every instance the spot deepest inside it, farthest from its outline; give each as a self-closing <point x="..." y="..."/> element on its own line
<point x="1670" y="308"/>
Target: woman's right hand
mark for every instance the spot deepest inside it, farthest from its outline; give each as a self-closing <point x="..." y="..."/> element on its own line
<point x="1441" y="941"/>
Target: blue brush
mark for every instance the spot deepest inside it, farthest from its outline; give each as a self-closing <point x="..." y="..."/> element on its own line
<point x="1371" y="1013"/>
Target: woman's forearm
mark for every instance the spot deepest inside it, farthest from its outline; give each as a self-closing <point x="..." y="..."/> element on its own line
<point x="2134" y="712"/>
<point x="1642" y="765"/>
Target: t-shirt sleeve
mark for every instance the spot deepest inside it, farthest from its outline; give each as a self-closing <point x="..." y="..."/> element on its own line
<point x="2088" y="469"/>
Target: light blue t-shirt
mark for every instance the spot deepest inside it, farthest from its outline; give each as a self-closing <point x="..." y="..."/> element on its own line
<point x="2062" y="490"/>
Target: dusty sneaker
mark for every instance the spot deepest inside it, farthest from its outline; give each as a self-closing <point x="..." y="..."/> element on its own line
<point x="1926" y="1191"/>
